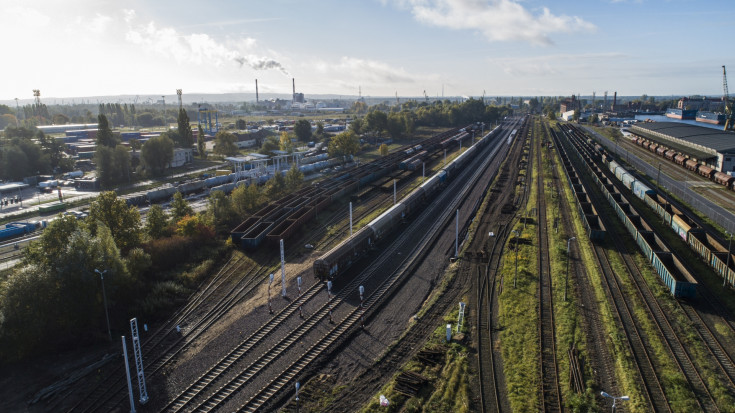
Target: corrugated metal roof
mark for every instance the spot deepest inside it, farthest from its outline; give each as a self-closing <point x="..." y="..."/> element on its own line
<point x="718" y="141"/>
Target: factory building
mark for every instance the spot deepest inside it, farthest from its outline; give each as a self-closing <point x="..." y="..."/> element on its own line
<point x="712" y="147"/>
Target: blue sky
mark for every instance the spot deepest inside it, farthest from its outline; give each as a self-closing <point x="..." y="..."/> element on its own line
<point x="76" y="48"/>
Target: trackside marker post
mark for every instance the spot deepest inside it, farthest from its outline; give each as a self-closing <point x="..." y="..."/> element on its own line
<point x="362" y="307"/>
<point x="329" y="300"/>
<point x="298" y="281"/>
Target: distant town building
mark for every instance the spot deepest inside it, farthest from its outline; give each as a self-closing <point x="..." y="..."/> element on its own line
<point x="569" y="104"/>
<point x="182" y="156"/>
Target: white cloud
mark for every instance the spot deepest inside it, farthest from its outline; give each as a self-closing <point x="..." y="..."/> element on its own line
<point x="557" y="64"/>
<point x="102" y="49"/>
<point x="497" y="20"/>
<point x="369" y="71"/>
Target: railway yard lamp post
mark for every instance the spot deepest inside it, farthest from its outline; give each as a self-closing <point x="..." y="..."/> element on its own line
<point x="566" y="279"/>
<point x="727" y="267"/>
<point x="615" y="399"/>
<point x="517" y="234"/>
<point x="104" y="299"/>
<point x="127" y="375"/>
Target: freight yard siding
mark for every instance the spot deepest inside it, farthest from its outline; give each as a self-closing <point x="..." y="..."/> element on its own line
<point x="707" y="145"/>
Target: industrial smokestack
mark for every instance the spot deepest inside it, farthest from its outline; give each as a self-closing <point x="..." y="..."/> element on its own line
<point x="615" y="99"/>
<point x="256" y="90"/>
<point x="294" y="86"/>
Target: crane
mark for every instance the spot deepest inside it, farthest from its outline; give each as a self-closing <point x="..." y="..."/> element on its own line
<point x="729" y="116"/>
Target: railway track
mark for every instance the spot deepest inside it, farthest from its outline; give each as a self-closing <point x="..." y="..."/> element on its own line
<point x="623" y="315"/>
<point x="681" y="354"/>
<point x="359" y="389"/>
<point x="488" y="375"/>
<point x="110" y="392"/>
<point x="597" y="349"/>
<point x="550" y="390"/>
<point x="164" y="344"/>
<point x="673" y="343"/>
<point x="349" y="322"/>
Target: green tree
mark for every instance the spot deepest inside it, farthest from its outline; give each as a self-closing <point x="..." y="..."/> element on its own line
<point x="576" y="115"/>
<point x="359" y="107"/>
<point x="319" y="130"/>
<point x="357" y="125"/>
<point x="220" y="211"/>
<point x="240" y="124"/>
<point x="7" y="120"/>
<point x="302" y="129"/>
<point x="245" y="199"/>
<point x="60" y="119"/>
<point x="344" y="144"/>
<point x="122" y="220"/>
<point x="376" y="121"/>
<point x="201" y="143"/>
<point x="285" y="143"/>
<point x="294" y="178"/>
<point x="52" y="241"/>
<point x="105" y="137"/>
<point x="121" y="160"/>
<point x="275" y="186"/>
<point x="58" y="298"/>
<point x="180" y="208"/>
<point x="395" y="125"/>
<point x="224" y="143"/>
<point x="270" y="144"/>
<point x="156" y="225"/>
<point x="175" y="137"/>
<point x="105" y="160"/>
<point x="383" y="150"/>
<point x="187" y="137"/>
<point x="409" y="123"/>
<point x="156" y="154"/>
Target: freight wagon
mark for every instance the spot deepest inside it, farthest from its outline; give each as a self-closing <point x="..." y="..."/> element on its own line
<point x="671" y="271"/>
<point x="339" y="258"/>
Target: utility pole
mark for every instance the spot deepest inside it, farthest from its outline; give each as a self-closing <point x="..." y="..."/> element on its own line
<point x="164" y="112"/>
<point x="17" y="114"/>
<point x="104" y="298"/>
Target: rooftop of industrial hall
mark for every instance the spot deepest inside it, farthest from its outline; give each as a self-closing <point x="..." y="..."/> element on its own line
<point x="720" y="141"/>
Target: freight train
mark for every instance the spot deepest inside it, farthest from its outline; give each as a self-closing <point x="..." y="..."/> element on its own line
<point x="342" y="256"/>
<point x="18" y="229"/>
<point x="709" y="247"/>
<point x="682" y="159"/>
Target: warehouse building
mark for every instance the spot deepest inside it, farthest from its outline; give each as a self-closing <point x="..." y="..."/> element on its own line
<point x="712" y="147"/>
